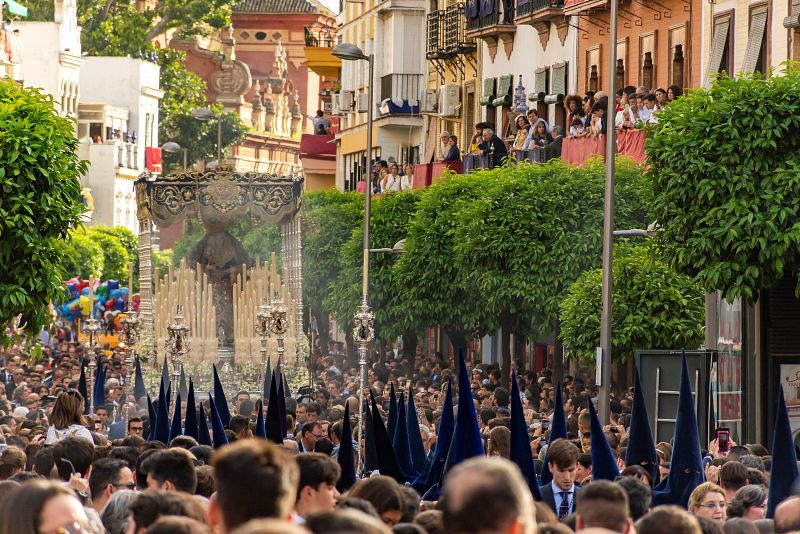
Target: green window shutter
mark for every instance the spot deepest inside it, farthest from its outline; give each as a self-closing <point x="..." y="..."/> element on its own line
<point x="504" y="91"/>
<point x="558" y="85"/>
<point x="488" y="92"/>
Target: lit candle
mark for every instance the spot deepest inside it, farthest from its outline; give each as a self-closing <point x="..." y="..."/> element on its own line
<point x="130" y="286"/>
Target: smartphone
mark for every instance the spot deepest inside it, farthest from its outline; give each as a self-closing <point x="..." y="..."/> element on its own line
<point x="723" y="439"/>
<point x="545" y="424"/>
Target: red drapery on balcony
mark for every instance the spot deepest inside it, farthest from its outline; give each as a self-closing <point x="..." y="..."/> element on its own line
<point x="152" y="158"/>
<point x="576" y="150"/>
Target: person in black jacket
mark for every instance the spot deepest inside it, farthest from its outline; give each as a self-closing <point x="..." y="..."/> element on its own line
<point x="453" y="153"/>
<point x="493" y="148"/>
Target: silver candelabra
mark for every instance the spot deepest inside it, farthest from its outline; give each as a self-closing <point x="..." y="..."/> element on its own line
<point x="263" y="328"/>
<point x="177" y="345"/>
<point x="363" y="335"/>
<point x="280" y="325"/>
<point x="130" y="334"/>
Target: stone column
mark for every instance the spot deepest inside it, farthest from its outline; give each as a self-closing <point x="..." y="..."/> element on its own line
<point x="146" y="279"/>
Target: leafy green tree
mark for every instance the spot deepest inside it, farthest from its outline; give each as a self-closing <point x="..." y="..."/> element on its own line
<point x="82" y="255"/>
<point x="391" y="305"/>
<point x="116" y="261"/>
<point x="429" y="272"/>
<point x="40" y="10"/>
<point x="328" y="221"/>
<point x="532" y="233"/>
<point x="726" y="182"/>
<point x="162" y="259"/>
<point x="654" y="307"/>
<point x="130" y="243"/>
<point x="40" y="201"/>
<point x="116" y="28"/>
<point x="184" y="92"/>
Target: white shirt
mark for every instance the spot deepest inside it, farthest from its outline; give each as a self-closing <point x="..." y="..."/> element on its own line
<point x="557" y="498"/>
<point x="397" y="183"/>
<point x="77" y="431"/>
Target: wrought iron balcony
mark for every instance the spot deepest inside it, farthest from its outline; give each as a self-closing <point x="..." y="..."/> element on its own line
<point x="537" y="8"/>
<point x="320" y="38"/>
<point x="446" y="31"/>
<point x="489" y="18"/>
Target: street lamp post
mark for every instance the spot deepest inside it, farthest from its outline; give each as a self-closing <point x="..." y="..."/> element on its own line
<point x="205" y="114"/>
<point x="608" y="223"/>
<point x="172" y="147"/>
<point x="364" y="331"/>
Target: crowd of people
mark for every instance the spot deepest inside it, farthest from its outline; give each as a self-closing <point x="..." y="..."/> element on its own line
<point x="422" y="471"/>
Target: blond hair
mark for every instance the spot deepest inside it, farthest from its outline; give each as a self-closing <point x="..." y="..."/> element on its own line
<point x="700" y="493"/>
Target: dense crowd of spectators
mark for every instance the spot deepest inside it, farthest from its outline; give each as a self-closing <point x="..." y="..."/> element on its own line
<point x="62" y="471"/>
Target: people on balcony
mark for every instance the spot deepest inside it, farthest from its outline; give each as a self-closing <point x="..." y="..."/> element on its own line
<point x="453" y="153"/>
<point x="393" y="181"/>
<point x="444" y="147"/>
<point x="540" y="137"/>
<point x="408" y="171"/>
<point x="599" y="124"/>
<point x="322" y="124"/>
<point x="573" y="107"/>
<point x="523" y="129"/>
<point x="492" y="148"/>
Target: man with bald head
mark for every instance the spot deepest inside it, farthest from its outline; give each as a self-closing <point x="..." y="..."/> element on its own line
<point x="487" y="496"/>
<point x="787" y="516"/>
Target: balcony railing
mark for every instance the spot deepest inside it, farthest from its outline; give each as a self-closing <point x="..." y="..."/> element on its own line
<point x="434" y="32"/>
<point x="126" y="155"/>
<point x="446" y="33"/>
<point x="321" y="38"/>
<point x="488" y="14"/>
<point x="532" y="6"/>
<point x="402" y="86"/>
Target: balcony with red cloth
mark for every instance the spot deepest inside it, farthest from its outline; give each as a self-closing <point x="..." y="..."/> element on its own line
<point x="318" y="156"/>
<point x="576" y="150"/>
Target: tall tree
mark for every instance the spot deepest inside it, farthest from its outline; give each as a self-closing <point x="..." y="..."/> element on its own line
<point x="654" y="307"/>
<point x="726" y="184"/>
<point x="429" y="271"/>
<point x="41" y="200"/>
<point x="532" y="233"/>
<point x="329" y="219"/>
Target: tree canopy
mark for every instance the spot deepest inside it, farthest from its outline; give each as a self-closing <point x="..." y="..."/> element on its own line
<point x="725" y="171"/>
<point x="654" y="307"/>
<point x="41" y="200"/>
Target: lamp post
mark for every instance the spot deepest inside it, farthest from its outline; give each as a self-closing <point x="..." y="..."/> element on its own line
<point x="177" y="345"/>
<point x="92" y="328"/>
<point x="130" y="333"/>
<point x="608" y="223"/>
<point x="205" y="114"/>
<point x="364" y="331"/>
<point x="263" y="328"/>
<point x="173" y="148"/>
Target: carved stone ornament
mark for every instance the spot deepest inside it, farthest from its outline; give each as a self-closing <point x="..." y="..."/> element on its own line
<point x="231" y="82"/>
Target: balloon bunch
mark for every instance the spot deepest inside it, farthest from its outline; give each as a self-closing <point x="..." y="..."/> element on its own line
<point x="110" y="301"/>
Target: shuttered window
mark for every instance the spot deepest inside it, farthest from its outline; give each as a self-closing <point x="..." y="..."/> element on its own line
<point x="540" y="81"/>
<point x="755" y="41"/>
<point x="719" y="42"/>
<point x="558" y="85"/>
<point x="488" y="92"/>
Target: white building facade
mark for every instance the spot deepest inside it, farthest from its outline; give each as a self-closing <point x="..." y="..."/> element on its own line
<point x="394" y="32"/>
<point x="118" y="133"/>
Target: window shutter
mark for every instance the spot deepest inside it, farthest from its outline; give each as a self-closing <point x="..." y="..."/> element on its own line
<point x="758" y="25"/>
<point x="559" y="81"/>
<point x="488" y="92"/>
<point x="718" y="41"/>
<point x="540" y="81"/>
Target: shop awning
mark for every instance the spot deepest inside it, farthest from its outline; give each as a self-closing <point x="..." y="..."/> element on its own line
<point x="15" y="8"/>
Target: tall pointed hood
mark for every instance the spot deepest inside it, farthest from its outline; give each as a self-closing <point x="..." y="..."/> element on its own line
<point x="346" y="458"/>
<point x="686" y="466"/>
<point x="604" y="464"/>
<point x="164" y="374"/>
<point x="387" y="461"/>
<point x="432" y="481"/>
<point x="784" y="459"/>
<point x="99" y="393"/>
<point x="261" y="431"/>
<point x="391" y="420"/>
<point x="641" y="447"/>
<point x="370" y="448"/>
<point x="273" y="430"/>
<point x="220" y="400"/>
<point x="175" y="429"/>
<point x="152" y="417"/>
<point x="162" y="419"/>
<point x="402" y="449"/>
<point x="265" y="388"/>
<point x="139" y="389"/>
<point x="467" y="441"/>
<point x="217" y="428"/>
<point x="190" y="424"/>
<point x="520" y="452"/>
<point x="184" y="390"/>
<point x="558" y="430"/>
<point x="82" y="389"/>
<point x="281" y="404"/>
<point x="419" y="459"/>
<point x="203" y="437"/>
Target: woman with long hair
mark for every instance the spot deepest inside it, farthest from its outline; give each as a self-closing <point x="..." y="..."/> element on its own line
<point x="67" y="418"/>
<point x="43" y="507"/>
<point x="573" y="107"/>
<point x="384" y="494"/>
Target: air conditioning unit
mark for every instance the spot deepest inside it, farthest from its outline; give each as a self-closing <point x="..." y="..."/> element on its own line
<point x="449" y="101"/>
<point x="428" y="101"/>
<point x="346" y="100"/>
<point x="336" y="108"/>
<point x="362" y="102"/>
